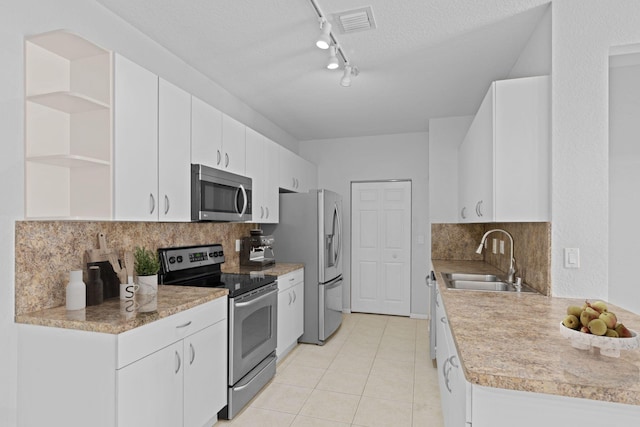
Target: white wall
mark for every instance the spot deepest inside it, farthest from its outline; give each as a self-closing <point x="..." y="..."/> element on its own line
<point x="624" y="177"/>
<point x="582" y="32"/>
<point x="400" y="156"/>
<point x="535" y="58"/>
<point x="27" y="17"/>
<point x="445" y="136"/>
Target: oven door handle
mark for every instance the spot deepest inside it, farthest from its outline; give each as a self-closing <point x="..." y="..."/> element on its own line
<point x="255" y="299"/>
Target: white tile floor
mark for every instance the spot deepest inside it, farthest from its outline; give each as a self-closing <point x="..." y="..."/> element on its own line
<point x="375" y="371"/>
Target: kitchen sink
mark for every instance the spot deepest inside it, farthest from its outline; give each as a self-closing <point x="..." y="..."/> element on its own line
<point x="481" y="282"/>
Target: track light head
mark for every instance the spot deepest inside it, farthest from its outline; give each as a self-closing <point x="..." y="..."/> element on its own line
<point x="333" y="59"/>
<point x="349" y="71"/>
<point x="324" y="41"/>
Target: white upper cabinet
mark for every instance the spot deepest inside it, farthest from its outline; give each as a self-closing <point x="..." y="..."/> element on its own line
<point x="504" y="160"/>
<point x="233" y="145"/>
<point x="206" y="134"/>
<point x="262" y="168"/>
<point x="174" y="153"/>
<point x="67" y="128"/>
<point x="136" y="142"/>
<point x="296" y="174"/>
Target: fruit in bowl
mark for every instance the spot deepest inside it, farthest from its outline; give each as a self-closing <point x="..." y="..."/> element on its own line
<point x="593" y="325"/>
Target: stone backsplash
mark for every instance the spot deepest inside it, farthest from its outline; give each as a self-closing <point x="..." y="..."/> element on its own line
<point x="47" y="250"/>
<point x="532" y="248"/>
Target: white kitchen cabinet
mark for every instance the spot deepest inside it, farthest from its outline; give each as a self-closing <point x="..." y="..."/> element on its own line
<point x="150" y="390"/>
<point x="174" y="153"/>
<point x="170" y="372"/>
<point x="504" y="160"/>
<point x="136" y="142"/>
<point x="454" y="389"/>
<point x="206" y="134"/>
<point x="233" y="145"/>
<point x="68" y="144"/>
<point x="290" y="311"/>
<point x="262" y="167"/>
<point x="296" y="174"/>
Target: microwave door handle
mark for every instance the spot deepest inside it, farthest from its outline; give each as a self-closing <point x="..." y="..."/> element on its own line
<point x="244" y="200"/>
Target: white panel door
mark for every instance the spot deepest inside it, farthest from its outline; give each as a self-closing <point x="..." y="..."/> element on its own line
<point x="381" y="247"/>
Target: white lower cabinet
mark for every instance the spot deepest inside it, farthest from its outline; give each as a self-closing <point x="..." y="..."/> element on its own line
<point x="290" y="311"/>
<point x="171" y="372"/>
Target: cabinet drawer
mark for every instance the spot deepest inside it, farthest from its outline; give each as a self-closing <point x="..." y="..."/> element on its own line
<point x="288" y="280"/>
<point x="138" y="343"/>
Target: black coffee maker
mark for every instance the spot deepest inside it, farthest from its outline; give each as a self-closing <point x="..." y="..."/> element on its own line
<point x="257" y="250"/>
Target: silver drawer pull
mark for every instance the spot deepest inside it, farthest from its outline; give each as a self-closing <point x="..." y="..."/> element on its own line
<point x="184" y="325"/>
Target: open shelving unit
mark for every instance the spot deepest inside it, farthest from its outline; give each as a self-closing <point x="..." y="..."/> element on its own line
<point x="68" y="128"/>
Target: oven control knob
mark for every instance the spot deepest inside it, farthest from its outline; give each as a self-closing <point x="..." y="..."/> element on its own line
<point x="179" y="258"/>
<point x="172" y="260"/>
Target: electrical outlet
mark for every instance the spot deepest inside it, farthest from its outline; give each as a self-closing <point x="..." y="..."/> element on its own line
<point x="238" y="245"/>
<point x="502" y="247"/>
<point x="495" y="246"/>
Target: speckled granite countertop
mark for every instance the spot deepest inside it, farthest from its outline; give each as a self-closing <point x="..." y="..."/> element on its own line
<point x="512" y="341"/>
<point x="110" y="317"/>
<point x="278" y="269"/>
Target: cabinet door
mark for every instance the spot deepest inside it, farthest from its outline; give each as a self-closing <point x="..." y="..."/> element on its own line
<point x="287" y="178"/>
<point x="297" y="325"/>
<point x="206" y="134"/>
<point x="256" y="163"/>
<point x="174" y="154"/>
<point x="205" y="380"/>
<point x="233" y="145"/>
<point x="136" y="142"/>
<point x="284" y="321"/>
<point x="481" y="154"/>
<point x="465" y="174"/>
<point x="150" y="390"/>
<point x="271" y="175"/>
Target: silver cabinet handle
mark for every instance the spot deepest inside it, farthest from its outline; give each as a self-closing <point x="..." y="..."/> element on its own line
<point x="193" y="354"/>
<point x="445" y="374"/>
<point x="261" y="212"/>
<point x="294" y="296"/>
<point x="443" y="320"/>
<point x="166" y="204"/>
<point x="452" y="358"/>
<point x="479" y="208"/>
<point x="178" y="362"/>
<point x="463" y="213"/>
<point x="289" y="298"/>
<point x="267" y="209"/>
<point x="184" y="325"/>
<point x="219" y="157"/>
<point x="152" y="203"/>
<point x="226" y="160"/>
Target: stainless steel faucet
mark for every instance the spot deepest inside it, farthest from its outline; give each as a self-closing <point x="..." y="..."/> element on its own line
<point x="512" y="262"/>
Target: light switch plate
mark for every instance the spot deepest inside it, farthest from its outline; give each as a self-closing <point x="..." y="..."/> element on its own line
<point x="571" y="258"/>
<point x="238" y="245"/>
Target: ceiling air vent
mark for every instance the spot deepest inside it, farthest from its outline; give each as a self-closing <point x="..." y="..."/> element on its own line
<point x="351" y="21"/>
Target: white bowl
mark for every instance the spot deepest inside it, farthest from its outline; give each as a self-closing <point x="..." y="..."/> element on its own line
<point x="609" y="346"/>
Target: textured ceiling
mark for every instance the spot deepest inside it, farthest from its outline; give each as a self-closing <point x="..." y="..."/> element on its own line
<point x="426" y="58"/>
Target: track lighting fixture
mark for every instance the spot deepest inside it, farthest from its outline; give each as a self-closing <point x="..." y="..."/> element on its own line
<point x="333" y="59"/>
<point x="324" y="41"/>
<point x="349" y="71"/>
<point x="327" y="40"/>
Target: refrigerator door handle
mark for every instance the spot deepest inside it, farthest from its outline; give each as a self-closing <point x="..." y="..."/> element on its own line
<point x="337" y="233"/>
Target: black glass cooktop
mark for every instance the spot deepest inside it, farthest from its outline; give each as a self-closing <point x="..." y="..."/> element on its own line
<point x="237" y="284"/>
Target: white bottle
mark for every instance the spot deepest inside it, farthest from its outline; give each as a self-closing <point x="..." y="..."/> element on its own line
<point x="76" y="291"/>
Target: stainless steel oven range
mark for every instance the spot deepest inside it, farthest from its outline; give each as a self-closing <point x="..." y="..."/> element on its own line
<point x="253" y="306"/>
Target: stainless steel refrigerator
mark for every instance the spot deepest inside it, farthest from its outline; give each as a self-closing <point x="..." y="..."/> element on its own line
<point x="310" y="232"/>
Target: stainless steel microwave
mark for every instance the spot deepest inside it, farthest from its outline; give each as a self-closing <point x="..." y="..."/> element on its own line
<point x="218" y="195"/>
